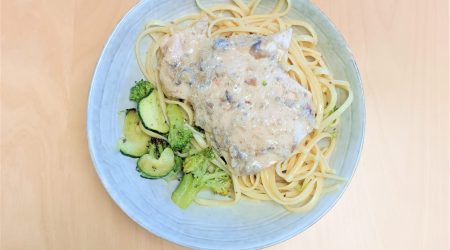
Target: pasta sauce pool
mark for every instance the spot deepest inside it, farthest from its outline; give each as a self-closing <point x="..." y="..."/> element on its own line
<point x="253" y="110"/>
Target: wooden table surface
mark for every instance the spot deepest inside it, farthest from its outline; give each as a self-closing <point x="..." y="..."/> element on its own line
<point x="51" y="197"/>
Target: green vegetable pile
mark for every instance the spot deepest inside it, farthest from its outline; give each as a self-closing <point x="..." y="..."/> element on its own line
<point x="169" y="155"/>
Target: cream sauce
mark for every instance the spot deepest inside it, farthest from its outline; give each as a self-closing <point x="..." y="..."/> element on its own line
<point x="255" y="112"/>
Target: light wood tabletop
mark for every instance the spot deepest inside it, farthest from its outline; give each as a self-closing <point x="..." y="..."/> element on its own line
<point x="51" y="197"/>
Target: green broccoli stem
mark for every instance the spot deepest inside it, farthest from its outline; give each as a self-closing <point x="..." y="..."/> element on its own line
<point x="186" y="191"/>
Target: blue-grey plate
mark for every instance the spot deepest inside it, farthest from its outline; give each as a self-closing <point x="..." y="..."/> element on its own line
<point x="247" y="225"/>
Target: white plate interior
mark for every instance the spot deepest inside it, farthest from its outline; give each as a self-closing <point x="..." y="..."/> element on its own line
<point x="250" y="224"/>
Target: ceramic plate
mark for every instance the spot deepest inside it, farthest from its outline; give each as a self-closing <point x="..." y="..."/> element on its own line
<point x="247" y="225"/>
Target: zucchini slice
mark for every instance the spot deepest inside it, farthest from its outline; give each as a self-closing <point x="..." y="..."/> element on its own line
<point x="135" y="141"/>
<point x="150" y="167"/>
<point x="175" y="114"/>
<point x="151" y="114"/>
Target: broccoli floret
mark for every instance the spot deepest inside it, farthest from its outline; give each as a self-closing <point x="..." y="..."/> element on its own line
<point x="197" y="177"/>
<point x="179" y="137"/>
<point x="140" y="90"/>
<point x="179" y="134"/>
<point x="189" y="150"/>
<point x="219" y="182"/>
<point x="186" y="191"/>
<point x="197" y="164"/>
<point x="156" y="147"/>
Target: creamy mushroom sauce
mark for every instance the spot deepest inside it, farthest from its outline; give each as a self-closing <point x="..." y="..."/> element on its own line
<point x="254" y="111"/>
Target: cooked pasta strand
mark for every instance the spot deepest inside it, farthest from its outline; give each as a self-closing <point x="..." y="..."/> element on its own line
<point x="298" y="182"/>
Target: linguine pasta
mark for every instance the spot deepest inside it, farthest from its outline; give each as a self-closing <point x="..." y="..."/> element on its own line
<point x="298" y="182"/>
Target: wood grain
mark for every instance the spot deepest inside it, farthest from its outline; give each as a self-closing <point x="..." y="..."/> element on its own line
<point x="51" y="197"/>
